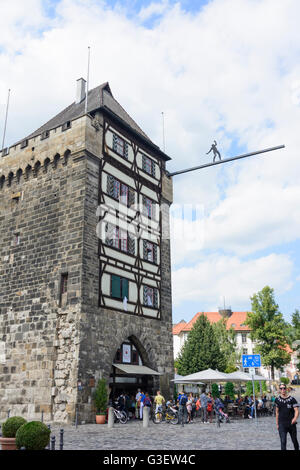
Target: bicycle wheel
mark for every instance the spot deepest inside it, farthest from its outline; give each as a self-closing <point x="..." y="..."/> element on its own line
<point x="157" y="418"/>
<point x="173" y="418"/>
<point x="123" y="417"/>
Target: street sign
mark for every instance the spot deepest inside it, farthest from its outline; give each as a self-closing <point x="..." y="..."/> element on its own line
<point x="251" y="360"/>
<point x="252" y="370"/>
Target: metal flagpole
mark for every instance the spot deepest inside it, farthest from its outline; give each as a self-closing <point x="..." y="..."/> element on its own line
<point x="87" y="81"/>
<point x="163" y="130"/>
<point x="5" y="122"/>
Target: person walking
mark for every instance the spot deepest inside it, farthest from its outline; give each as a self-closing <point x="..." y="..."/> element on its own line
<point x="182" y="412"/>
<point x="287" y="412"/>
<point x="210" y="406"/>
<point x="203" y="400"/>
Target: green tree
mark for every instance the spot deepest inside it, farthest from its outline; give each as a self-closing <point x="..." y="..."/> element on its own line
<point x="296" y="336"/>
<point x="201" y="350"/>
<point x="227" y="343"/>
<point x="268" y="329"/>
<point x="229" y="389"/>
<point x="215" y="391"/>
<point x="249" y="387"/>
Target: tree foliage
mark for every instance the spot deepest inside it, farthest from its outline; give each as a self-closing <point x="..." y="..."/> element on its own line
<point x="229" y="389"/>
<point x="268" y="329"/>
<point x="227" y="342"/>
<point x="249" y="387"/>
<point x="215" y="391"/>
<point x="201" y="350"/>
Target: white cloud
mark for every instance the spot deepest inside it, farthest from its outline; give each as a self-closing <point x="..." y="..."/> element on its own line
<point x="230" y="72"/>
<point x="217" y="276"/>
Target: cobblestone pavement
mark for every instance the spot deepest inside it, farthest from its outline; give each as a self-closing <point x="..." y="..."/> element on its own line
<point x="239" y="434"/>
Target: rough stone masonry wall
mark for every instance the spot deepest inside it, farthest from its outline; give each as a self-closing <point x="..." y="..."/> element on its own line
<point x="39" y="340"/>
<point x="103" y="331"/>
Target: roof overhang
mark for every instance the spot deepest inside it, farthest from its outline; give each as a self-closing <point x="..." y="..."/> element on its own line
<point x="136" y="370"/>
<point x="120" y="121"/>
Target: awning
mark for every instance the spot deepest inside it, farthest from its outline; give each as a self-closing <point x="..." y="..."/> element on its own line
<point x="136" y="370"/>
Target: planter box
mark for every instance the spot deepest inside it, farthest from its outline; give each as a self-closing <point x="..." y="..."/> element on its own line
<point x="8" y="443"/>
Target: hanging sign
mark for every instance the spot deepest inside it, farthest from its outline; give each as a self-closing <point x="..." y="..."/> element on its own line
<point x="126" y="353"/>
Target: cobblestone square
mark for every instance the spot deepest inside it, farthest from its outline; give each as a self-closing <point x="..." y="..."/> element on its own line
<point x="239" y="434"/>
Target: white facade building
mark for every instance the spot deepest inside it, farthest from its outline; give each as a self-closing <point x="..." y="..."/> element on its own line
<point x="244" y="344"/>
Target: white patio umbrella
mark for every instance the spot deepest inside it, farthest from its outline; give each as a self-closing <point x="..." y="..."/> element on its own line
<point x="203" y="377"/>
<point x="240" y="376"/>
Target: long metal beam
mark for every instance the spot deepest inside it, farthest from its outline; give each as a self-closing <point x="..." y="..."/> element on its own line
<point x="226" y="160"/>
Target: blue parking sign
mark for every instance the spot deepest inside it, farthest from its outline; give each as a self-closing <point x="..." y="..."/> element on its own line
<point x="251" y="360"/>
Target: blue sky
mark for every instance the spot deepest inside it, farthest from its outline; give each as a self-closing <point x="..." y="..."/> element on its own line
<point x="214" y="78"/>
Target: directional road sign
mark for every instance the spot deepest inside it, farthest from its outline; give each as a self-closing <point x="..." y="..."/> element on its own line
<point x="251" y="360"/>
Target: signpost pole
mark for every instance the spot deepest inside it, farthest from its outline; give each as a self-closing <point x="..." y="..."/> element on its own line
<point x="251" y="361"/>
<point x="253" y="388"/>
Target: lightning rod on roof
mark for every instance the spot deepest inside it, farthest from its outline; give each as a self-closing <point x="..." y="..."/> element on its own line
<point x="5" y="122"/>
<point x="87" y="81"/>
<point x="163" y="131"/>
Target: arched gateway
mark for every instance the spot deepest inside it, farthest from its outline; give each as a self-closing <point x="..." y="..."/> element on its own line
<point x="130" y="370"/>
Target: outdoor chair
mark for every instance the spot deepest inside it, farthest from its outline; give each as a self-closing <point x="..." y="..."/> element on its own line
<point x="230" y="409"/>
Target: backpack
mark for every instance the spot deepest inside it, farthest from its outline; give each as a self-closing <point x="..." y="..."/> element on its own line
<point x="183" y="400"/>
<point x="209" y="406"/>
<point x="147" y="401"/>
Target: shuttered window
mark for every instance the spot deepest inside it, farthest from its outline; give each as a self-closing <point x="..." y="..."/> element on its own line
<point x="149" y="251"/>
<point x="120" y="191"/>
<point x="119" y="287"/>
<point x="150" y="296"/>
<point x="120" y="146"/>
<point x="119" y="238"/>
<point x="148" y="207"/>
<point x="148" y="165"/>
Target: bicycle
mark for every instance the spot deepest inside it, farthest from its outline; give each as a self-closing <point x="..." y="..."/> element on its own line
<point x="120" y="416"/>
<point x="169" y="416"/>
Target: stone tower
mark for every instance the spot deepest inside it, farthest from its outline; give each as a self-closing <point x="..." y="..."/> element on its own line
<point x="85" y="278"/>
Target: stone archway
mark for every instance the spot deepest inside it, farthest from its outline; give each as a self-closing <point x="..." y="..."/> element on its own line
<point x="125" y="381"/>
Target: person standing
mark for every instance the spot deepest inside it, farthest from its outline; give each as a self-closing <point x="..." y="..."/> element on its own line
<point x="287" y="412"/>
<point x="210" y="405"/>
<point x="158" y="400"/>
<point x="182" y="412"/>
<point x="189" y="407"/>
<point x="142" y="399"/>
<point x="203" y="400"/>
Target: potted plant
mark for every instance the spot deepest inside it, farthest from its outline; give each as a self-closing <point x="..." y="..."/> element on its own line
<point x="100" y="400"/>
<point x="33" y="436"/>
<point x="9" y="430"/>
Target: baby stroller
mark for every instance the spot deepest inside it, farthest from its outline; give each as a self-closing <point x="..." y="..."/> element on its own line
<point x="221" y="417"/>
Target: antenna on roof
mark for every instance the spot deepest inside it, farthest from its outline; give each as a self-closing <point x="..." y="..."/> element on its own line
<point x="87" y="82"/>
<point x="5" y="122"/>
<point x="163" y="131"/>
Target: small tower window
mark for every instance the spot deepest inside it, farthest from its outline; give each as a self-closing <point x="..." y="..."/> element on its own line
<point x="24" y="144"/>
<point x="17" y="239"/>
<point x="45" y="135"/>
<point x="66" y="125"/>
<point x="63" y="290"/>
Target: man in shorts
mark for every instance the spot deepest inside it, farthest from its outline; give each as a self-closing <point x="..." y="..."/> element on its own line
<point x="287" y="412"/>
<point x="158" y="400"/>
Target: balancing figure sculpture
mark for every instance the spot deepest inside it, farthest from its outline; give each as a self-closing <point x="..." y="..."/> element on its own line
<point x="215" y="150"/>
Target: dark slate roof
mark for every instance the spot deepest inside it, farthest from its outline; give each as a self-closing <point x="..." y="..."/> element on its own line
<point x="100" y="96"/>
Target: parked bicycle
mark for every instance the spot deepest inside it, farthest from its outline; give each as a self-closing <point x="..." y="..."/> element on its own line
<point x="170" y="415"/>
<point x="120" y="416"/>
